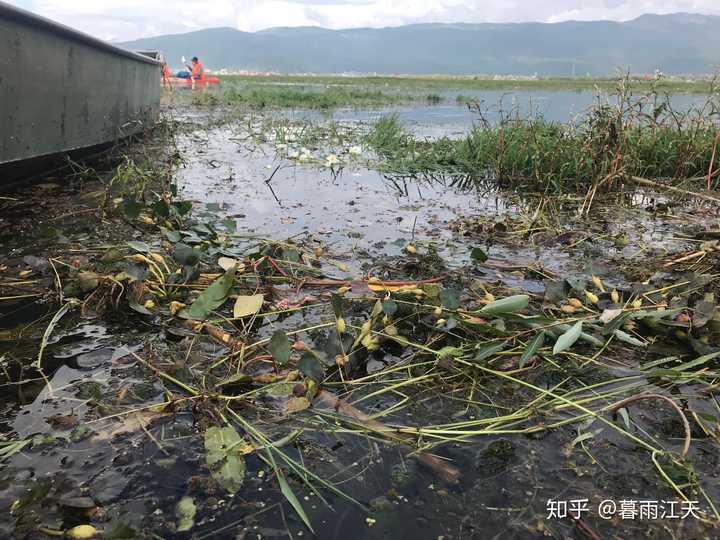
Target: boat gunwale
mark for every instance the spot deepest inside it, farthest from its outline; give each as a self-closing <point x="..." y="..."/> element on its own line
<point x="26" y="17"/>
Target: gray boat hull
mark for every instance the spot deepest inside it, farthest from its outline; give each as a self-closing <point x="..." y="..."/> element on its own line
<point x="63" y="92"/>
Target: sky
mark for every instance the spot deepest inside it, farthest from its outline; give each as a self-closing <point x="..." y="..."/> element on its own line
<point x="122" y="20"/>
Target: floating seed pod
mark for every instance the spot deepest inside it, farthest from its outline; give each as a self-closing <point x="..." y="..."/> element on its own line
<point x="637" y="304"/>
<point x="340" y="325"/>
<point x="411" y="249"/>
<point x="149" y="305"/>
<point x="438" y="311"/>
<point x="615" y="296"/>
<point x="574" y="302"/>
<point x="569" y="309"/>
<point x="593" y="299"/>
<point x="343" y="290"/>
<point x="391" y="330"/>
<point x="598" y="283"/>
<point x="176" y="307"/>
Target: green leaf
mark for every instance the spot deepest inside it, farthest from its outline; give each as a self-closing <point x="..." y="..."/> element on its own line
<point x="171" y="235"/>
<point x="488" y="350"/>
<point x="531" y="350"/>
<point x="291" y="255"/>
<point x="568" y="339"/>
<point x="161" y="209"/>
<point x="140" y="247"/>
<point x="211" y="298"/>
<point x="478" y="255"/>
<point x="182" y="208"/>
<point x="337" y="304"/>
<point x="280" y="347"/>
<point x="450" y="298"/>
<point x="131" y="209"/>
<point x="507" y="305"/>
<point x="311" y="367"/>
<point x="288" y="493"/>
<point x="186" y="255"/>
<point x="140" y="309"/>
<point x="224" y="457"/>
<point x="390" y="307"/>
<point x="248" y="305"/>
<point x="627" y="338"/>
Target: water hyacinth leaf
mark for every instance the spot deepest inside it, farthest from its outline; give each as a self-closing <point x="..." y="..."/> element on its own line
<point x="131" y="209"/>
<point x="211" y="298"/>
<point x="311" y="367"/>
<point x="182" y="207"/>
<point x="390" y="307"/>
<point x="224" y="456"/>
<point x="578" y="283"/>
<point x="140" y="247"/>
<point x="532" y="349"/>
<point x="337" y="305"/>
<point x="288" y="493"/>
<point x="507" y="305"/>
<point x="161" y="209"/>
<point x="450" y="298"/>
<point x="291" y="255"/>
<point x="248" y="305"/>
<point x="138" y="308"/>
<point x="568" y="339"/>
<point x="627" y="338"/>
<point x="488" y="350"/>
<point x="186" y="255"/>
<point x="478" y="255"/>
<point x="171" y="235"/>
<point x="280" y="347"/>
<point x="555" y="291"/>
<point x="230" y="225"/>
<point x="111" y="256"/>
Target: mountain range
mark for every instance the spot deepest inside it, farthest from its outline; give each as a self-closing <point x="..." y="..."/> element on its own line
<point x="681" y="43"/>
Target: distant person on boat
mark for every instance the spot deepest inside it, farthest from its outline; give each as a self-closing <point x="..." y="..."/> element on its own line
<point x="197" y="70"/>
<point x="166" y="76"/>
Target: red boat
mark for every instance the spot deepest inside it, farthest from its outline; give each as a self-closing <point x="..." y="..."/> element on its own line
<point x="207" y="81"/>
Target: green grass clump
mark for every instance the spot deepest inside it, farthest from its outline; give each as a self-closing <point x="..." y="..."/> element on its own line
<point x="418" y="84"/>
<point x="617" y="138"/>
<point x="274" y="97"/>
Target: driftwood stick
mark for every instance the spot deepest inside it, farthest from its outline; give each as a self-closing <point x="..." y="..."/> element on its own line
<point x="443" y="470"/>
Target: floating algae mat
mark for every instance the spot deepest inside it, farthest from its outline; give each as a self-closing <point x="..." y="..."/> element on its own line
<point x="245" y="331"/>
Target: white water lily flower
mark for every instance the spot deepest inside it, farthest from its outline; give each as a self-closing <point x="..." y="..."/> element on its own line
<point x="331" y="160"/>
<point x="293" y="154"/>
<point x="304" y="158"/>
<point x="355" y="151"/>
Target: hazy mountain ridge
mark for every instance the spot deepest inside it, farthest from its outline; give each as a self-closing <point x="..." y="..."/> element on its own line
<point x="681" y="43"/>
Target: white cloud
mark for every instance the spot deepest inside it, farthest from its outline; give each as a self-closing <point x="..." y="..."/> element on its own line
<point x="129" y="19"/>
